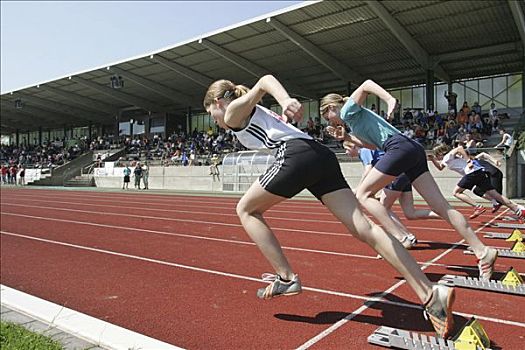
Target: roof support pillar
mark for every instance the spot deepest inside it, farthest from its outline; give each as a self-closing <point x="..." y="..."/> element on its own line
<point x="40" y="136"/>
<point x="189" y="123"/>
<point x="404" y="37"/>
<point x="523" y="83"/>
<point x="17" y="137"/>
<point x="429" y="87"/>
<point x="519" y="19"/>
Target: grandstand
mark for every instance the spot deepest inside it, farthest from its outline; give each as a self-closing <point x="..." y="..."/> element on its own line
<point x="177" y="267"/>
<point x="315" y="48"/>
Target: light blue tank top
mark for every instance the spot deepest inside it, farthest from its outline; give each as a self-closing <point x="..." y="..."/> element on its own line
<point x="367" y="125"/>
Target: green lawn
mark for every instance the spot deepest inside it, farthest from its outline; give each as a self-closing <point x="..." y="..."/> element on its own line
<point x="15" y="337"/>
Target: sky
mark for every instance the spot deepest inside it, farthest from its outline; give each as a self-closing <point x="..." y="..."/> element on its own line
<point x="45" y="40"/>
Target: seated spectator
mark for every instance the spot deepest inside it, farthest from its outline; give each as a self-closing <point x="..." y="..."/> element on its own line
<point x="465" y="108"/>
<point x="506" y="139"/>
<point x="462" y="119"/>
<point x="476" y="108"/>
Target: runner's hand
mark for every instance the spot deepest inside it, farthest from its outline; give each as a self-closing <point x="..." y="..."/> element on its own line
<point x="338" y="132"/>
<point x="292" y="109"/>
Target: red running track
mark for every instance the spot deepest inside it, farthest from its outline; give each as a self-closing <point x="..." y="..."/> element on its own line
<point x="182" y="270"/>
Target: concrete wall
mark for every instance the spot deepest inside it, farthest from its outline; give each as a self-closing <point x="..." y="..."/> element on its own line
<point x="197" y="178"/>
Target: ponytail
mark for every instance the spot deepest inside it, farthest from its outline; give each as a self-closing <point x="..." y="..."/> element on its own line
<point x="223" y="89"/>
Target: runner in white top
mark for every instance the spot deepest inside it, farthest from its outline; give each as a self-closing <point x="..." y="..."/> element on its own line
<point x="304" y="163"/>
<point x="473" y="174"/>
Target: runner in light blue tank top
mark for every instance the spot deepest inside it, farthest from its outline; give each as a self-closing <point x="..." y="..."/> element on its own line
<point x="402" y="155"/>
<point x="367" y="125"/>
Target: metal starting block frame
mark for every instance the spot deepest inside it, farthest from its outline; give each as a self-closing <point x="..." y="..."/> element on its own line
<point x="476" y="283"/>
<point x="498" y="235"/>
<point x="505" y="225"/>
<point x="401" y="339"/>
<point x="507" y="253"/>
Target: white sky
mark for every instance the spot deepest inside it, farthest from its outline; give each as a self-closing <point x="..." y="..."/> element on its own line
<point x="41" y="41"/>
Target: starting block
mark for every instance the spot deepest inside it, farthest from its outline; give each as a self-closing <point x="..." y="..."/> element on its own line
<point x="505" y="225"/>
<point x="508" y="285"/>
<point x="471" y="337"/>
<point x="512" y="279"/>
<point x="517" y="251"/>
<point x="516" y="235"/>
<point x="518" y="247"/>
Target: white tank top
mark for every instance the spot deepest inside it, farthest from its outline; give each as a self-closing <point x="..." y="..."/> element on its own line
<point x="268" y="130"/>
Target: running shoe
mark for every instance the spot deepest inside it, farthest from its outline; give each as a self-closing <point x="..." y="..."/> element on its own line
<point x="409" y="241"/>
<point x="438" y="309"/>
<point x="495" y="207"/>
<point x="278" y="287"/>
<point x="486" y="263"/>
<point x="521" y="214"/>
<point x="477" y="212"/>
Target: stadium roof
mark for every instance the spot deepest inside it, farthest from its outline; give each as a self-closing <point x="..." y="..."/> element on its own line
<point x="314" y="48"/>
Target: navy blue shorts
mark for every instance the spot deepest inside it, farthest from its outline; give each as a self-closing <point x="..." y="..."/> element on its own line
<point x="479" y="178"/>
<point x="403" y="155"/>
<point x="400" y="184"/>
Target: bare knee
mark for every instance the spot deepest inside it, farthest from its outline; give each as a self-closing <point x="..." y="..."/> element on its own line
<point x="241" y="209"/>
<point x="362" y="196"/>
<point x="410" y="215"/>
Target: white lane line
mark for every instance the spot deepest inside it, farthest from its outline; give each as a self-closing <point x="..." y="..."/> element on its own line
<point x="196" y="221"/>
<point x="177" y="220"/>
<point x="231" y="275"/>
<point x="198" y="212"/>
<point x="198" y="204"/>
<point x="355" y="313"/>
<point x="184" y="235"/>
<point x="127" y="206"/>
<point x="92" y="329"/>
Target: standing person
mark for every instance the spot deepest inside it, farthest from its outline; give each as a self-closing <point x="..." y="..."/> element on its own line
<point x="4" y="174"/>
<point x="473" y="174"/>
<point x="22" y="176"/>
<point x="452" y="101"/>
<point x="137" y="173"/>
<point x="402" y="155"/>
<point x="13" y="170"/>
<point x="301" y="163"/>
<point x="145" y="175"/>
<point x="127" y="173"/>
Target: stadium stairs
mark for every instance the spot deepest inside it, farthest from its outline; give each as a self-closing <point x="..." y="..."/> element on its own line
<point x="65" y="172"/>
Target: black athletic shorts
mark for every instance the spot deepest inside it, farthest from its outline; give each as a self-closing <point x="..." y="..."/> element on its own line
<point x="403" y="155"/>
<point x="126" y="178"/>
<point x="478" y="178"/>
<point x="300" y="164"/>
<point x="400" y="184"/>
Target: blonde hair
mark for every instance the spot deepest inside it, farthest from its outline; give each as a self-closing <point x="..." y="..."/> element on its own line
<point x="331" y="100"/>
<point x="441" y="149"/>
<point x="223" y="89"/>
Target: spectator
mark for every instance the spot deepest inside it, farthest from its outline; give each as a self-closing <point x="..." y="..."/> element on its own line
<point x="22" y="176"/>
<point x="137" y="173"/>
<point x="127" y="173"/>
<point x="506" y="139"/>
<point x="476" y="108"/>
<point x="465" y="108"/>
<point x="145" y="175"/>
<point x="4" y="174"/>
<point x="13" y="170"/>
<point x="452" y="102"/>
